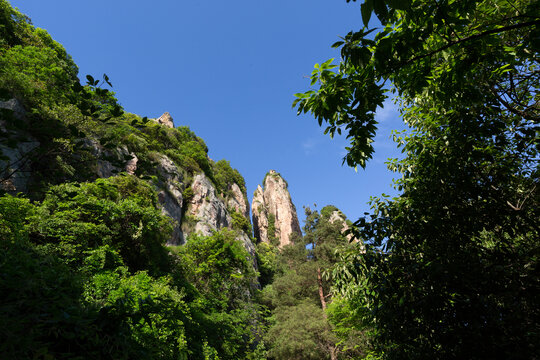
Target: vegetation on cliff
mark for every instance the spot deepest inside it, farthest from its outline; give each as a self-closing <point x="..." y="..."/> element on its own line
<point x="447" y="269"/>
<point x="85" y="272"/>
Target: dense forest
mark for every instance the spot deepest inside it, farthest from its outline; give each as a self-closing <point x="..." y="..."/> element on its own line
<point x="106" y="252"/>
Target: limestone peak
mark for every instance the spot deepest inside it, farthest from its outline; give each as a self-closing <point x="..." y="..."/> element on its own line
<point x="274" y="214"/>
<point x="166" y="120"/>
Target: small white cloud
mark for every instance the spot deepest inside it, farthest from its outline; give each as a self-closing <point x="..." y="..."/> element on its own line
<point x="388" y="112"/>
<point x="309" y="145"/>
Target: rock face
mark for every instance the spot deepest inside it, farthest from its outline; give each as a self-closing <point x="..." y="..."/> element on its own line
<point x="170" y="197"/>
<point x="274" y="214"/>
<point x="110" y="162"/>
<point x="165" y="120"/>
<point x="15" y="163"/>
<point x="207" y="212"/>
<point x="338" y="217"/>
<point x="238" y="200"/>
<point x="194" y="206"/>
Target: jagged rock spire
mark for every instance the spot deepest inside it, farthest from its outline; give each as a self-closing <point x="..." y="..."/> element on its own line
<point x="274" y="214"/>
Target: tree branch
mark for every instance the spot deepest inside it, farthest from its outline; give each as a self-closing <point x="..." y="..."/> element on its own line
<point x="466" y="39"/>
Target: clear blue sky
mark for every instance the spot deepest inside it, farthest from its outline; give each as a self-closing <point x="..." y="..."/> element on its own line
<point x="228" y="70"/>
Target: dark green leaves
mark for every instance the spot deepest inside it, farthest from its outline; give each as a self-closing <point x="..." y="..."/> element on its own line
<point x="117" y="110"/>
<point x="90" y="80"/>
<point x="398" y="4"/>
<point x="5" y="94"/>
<point x="380" y="9"/>
<point x="473" y="147"/>
<point x="106" y="78"/>
<point x="366" y="8"/>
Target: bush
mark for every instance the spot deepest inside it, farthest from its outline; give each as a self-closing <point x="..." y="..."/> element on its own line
<point x="118" y="211"/>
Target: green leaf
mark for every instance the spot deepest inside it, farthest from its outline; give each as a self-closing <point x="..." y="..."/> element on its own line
<point x="90" y="80"/>
<point x="398" y="4"/>
<point x="380" y="10"/>
<point x="366" y="8"/>
<point x="106" y="78"/>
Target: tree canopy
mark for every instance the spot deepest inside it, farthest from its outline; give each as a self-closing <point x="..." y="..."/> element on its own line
<point x="457" y="53"/>
<point x="450" y="266"/>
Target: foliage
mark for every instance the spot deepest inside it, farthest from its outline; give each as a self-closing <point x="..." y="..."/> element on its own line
<point x="13" y="214"/>
<point x="267" y="261"/>
<point x="449" y="270"/>
<point x="94" y="308"/>
<point x="84" y="268"/>
<point x="220" y="267"/>
<point x="225" y="176"/>
<point x="15" y="28"/>
<point x="222" y="271"/>
<point x="35" y="73"/>
<point x="119" y="211"/>
<point x="297" y="333"/>
<point x="75" y="289"/>
<point x="328" y="210"/>
<point x="272" y="237"/>
<point x="443" y="50"/>
<point x="239" y="222"/>
<point x="299" y="296"/>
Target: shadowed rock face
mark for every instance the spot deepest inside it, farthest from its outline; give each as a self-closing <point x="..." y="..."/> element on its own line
<point x="15" y="164"/>
<point x="274" y="214"/>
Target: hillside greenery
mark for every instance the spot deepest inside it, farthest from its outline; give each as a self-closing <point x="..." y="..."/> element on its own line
<point x="85" y="272"/>
<point x="448" y="269"/>
<point x="306" y="321"/>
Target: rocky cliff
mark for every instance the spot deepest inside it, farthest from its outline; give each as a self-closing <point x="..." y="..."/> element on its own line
<point x="335" y="216"/>
<point x="208" y="211"/>
<point x="274" y="214"/>
<point x="158" y="152"/>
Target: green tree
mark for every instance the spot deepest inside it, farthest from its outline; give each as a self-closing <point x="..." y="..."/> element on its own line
<point x="57" y="304"/>
<point x="222" y="272"/>
<point x="449" y="271"/>
<point x="118" y="211"/>
<point x="300" y="295"/>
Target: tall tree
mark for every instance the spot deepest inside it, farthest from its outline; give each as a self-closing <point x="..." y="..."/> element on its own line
<point x="300" y="295"/>
<point x="451" y="266"/>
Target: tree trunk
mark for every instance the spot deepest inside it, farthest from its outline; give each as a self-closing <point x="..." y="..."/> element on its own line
<point x="321" y="291"/>
<point x="332" y="348"/>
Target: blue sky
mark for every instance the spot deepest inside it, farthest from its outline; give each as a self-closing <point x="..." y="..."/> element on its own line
<point x="229" y="70"/>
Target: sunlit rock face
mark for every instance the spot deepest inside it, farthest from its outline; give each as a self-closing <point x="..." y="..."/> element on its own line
<point x="170" y="185"/>
<point x="206" y="211"/>
<point x="274" y="214"/>
<point x="337" y="217"/>
<point x="165" y="120"/>
<point x="237" y="201"/>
